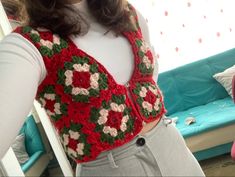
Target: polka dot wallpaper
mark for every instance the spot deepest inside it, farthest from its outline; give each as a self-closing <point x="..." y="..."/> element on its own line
<point x="183" y="31"/>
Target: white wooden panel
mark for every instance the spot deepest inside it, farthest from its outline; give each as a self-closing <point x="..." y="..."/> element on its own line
<point x="54" y="140"/>
<point x="4" y="22"/>
<point x="11" y="165"/>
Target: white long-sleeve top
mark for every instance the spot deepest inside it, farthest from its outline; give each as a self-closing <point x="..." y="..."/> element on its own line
<point x="22" y="69"/>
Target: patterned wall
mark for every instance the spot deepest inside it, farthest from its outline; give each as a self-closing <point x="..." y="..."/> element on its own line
<point x="183" y="31"/>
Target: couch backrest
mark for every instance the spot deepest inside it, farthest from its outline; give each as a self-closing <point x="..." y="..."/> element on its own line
<point x="192" y="84"/>
<point x="33" y="140"/>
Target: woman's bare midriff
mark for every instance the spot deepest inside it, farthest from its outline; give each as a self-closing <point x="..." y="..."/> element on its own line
<point x="148" y="126"/>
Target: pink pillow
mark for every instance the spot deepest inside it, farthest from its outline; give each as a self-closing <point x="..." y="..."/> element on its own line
<point x="233" y="151"/>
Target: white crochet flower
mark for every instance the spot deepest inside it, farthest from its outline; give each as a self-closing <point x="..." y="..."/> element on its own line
<point x="144" y="47"/>
<point x="66" y="139"/>
<point x="49" y="96"/>
<point x="81" y="68"/>
<point x="156" y="104"/>
<point x="125" y="119"/>
<point x="43" y="102"/>
<point x="72" y="152"/>
<point x="103" y="116"/>
<point x="113" y="132"/>
<point x="94" y="78"/>
<point x="117" y="108"/>
<point x="56" y="39"/>
<point x="104" y="112"/>
<point x="148" y="106"/>
<point x="81" y="91"/>
<point x="102" y="120"/>
<point x="48" y="44"/>
<point x="121" y="107"/>
<point x="68" y="81"/>
<point x="153" y="90"/>
<point x="123" y="127"/>
<point x="80" y="148"/>
<point x="50" y="113"/>
<point x="35" y="32"/>
<point x="147" y="62"/>
<point x="68" y="73"/>
<point x="143" y="92"/>
<point x="74" y="135"/>
<point x="106" y="129"/>
<point x="114" y="107"/>
<point x="57" y="108"/>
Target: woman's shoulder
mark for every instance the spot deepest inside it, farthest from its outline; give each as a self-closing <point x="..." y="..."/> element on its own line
<point x="18" y="39"/>
<point x="143" y="26"/>
<point x="16" y="46"/>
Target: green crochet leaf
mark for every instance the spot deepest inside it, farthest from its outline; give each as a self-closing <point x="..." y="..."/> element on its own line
<point x="49" y="89"/>
<point x="94" y="68"/>
<point x="77" y="60"/>
<point x="120" y="135"/>
<point x="139" y="100"/>
<point x="26" y="29"/>
<point x="141" y="54"/>
<point x="68" y="89"/>
<point x="94" y="92"/>
<point x="57" y="48"/>
<point x="45" y="51"/>
<point x="119" y="99"/>
<point x="138" y="43"/>
<point x="75" y="127"/>
<point x="105" y="105"/>
<point x="145" y="112"/>
<point x="130" y="124"/>
<point x="99" y="128"/>
<point x="68" y="65"/>
<point x="81" y="98"/>
<point x="63" y="43"/>
<point x="35" y="38"/>
<point x="107" y="138"/>
<point x="94" y="114"/>
<point x="86" y="149"/>
<point x="103" y="81"/>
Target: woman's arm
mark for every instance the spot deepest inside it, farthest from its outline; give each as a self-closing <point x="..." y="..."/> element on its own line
<point x="20" y="74"/>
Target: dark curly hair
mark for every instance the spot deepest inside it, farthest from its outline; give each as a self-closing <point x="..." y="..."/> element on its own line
<point x="53" y="15"/>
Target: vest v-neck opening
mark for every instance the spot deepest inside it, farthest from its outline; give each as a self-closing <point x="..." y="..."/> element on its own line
<point x="106" y="70"/>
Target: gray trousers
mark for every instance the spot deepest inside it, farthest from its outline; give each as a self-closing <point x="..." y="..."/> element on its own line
<point x="160" y="152"/>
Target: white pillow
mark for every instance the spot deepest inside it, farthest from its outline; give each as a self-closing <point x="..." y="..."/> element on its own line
<point x="18" y="147"/>
<point x="225" y="78"/>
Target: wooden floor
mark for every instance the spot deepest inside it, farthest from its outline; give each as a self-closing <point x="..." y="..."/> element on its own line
<point x="219" y="166"/>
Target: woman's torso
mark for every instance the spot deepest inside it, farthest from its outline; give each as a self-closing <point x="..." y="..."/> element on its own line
<point x="120" y="65"/>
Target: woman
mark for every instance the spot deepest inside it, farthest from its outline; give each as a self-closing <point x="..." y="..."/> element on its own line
<point x="87" y="64"/>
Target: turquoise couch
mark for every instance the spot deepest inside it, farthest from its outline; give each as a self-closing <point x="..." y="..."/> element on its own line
<point x="190" y="90"/>
<point x="38" y="159"/>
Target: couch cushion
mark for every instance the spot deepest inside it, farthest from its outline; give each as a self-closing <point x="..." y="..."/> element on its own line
<point x="18" y="147"/>
<point x="32" y="160"/>
<point x="208" y="117"/>
<point x="193" y="84"/>
<point x="33" y="140"/>
<point x="225" y="78"/>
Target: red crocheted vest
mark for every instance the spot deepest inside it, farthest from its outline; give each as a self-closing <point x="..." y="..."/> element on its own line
<point x="90" y="111"/>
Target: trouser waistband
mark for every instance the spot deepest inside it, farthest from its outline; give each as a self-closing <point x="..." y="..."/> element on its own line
<point x="127" y="149"/>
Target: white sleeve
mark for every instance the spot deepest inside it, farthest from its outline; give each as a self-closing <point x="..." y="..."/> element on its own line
<point x="21" y="71"/>
<point x="145" y="32"/>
